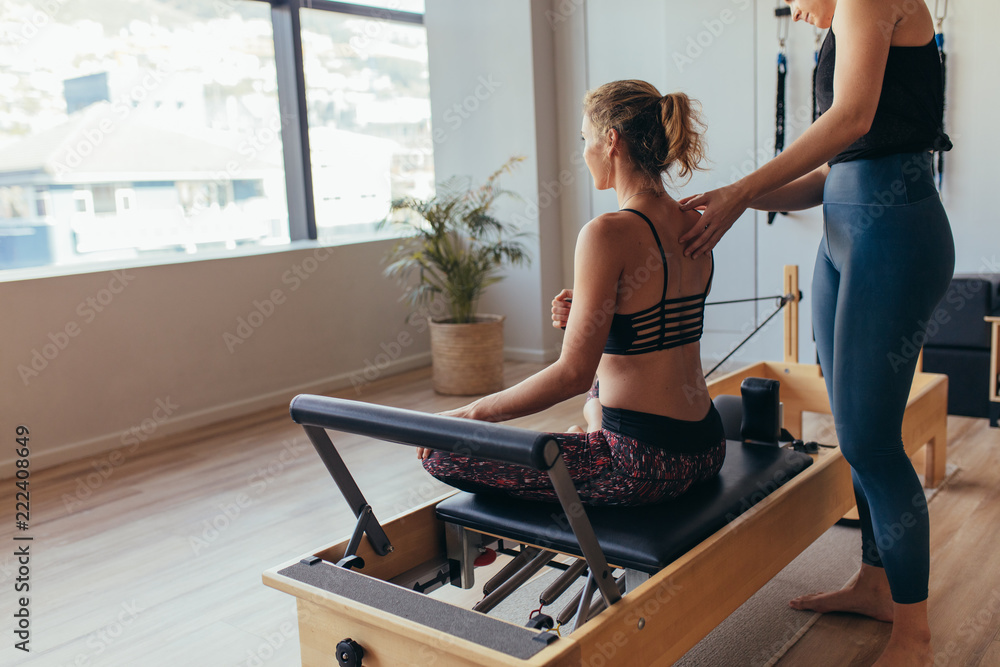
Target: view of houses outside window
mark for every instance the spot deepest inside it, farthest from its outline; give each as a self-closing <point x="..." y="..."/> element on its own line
<point x="148" y="129"/>
<point x="368" y="95"/>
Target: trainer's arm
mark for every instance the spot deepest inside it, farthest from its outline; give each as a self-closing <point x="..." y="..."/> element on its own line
<point x="862" y="49"/>
<point x="802" y="193"/>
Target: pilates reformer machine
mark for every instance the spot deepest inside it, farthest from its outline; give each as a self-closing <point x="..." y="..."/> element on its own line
<point x="656" y="579"/>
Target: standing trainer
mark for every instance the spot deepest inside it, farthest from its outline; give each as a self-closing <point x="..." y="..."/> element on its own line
<point x="884" y="262"/>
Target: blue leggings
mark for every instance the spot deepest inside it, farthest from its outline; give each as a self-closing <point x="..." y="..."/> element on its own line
<point x="885" y="261"/>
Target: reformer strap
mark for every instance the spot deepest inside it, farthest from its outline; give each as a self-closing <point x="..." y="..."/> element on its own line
<point x="784" y="300"/>
<point x="783" y="14"/>
<point x="939" y="40"/>
<point x="818" y="34"/>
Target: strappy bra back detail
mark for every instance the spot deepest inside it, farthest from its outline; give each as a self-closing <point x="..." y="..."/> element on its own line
<point x="669" y="323"/>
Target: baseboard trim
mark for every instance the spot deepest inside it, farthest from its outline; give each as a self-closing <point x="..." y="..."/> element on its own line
<point x="96" y="446"/>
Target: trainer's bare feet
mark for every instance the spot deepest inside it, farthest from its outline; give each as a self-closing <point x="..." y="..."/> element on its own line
<point x="867" y="594"/>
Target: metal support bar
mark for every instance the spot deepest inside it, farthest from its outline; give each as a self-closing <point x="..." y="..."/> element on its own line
<point x="359" y="530"/>
<point x="583" y="610"/>
<point x="584" y="532"/>
<point x="599" y="606"/>
<point x="348" y="487"/>
<point x="461" y="549"/>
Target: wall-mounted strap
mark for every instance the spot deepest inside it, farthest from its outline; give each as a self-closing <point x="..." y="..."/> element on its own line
<point x="940" y="13"/>
<point x="784" y="15"/>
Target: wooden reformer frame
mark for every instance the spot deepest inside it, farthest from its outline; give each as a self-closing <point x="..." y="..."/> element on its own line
<point x="662" y="618"/>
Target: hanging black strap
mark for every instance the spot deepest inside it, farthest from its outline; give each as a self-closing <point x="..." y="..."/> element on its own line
<point x="783" y="14"/>
<point x="815" y="108"/>
<point x="939" y="17"/>
<point x="939" y="38"/>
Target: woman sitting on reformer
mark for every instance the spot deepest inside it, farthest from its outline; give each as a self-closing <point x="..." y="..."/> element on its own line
<point x="635" y="321"/>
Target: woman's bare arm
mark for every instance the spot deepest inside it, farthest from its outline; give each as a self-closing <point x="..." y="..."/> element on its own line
<point x="802" y="193"/>
<point x="863" y="40"/>
<point x="597" y="268"/>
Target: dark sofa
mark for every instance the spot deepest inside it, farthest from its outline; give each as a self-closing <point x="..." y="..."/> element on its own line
<point x="958" y="344"/>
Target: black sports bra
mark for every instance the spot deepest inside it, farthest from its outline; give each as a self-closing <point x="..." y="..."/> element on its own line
<point x="670" y="323"/>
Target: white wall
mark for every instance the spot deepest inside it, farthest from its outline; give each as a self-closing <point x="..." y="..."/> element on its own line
<point x="723" y="53"/>
<point x="973" y="96"/>
<point x="493" y="96"/>
<point x="151" y="344"/>
<point x="706" y="50"/>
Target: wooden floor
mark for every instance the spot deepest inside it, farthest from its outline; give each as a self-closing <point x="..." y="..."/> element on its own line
<point x="154" y="556"/>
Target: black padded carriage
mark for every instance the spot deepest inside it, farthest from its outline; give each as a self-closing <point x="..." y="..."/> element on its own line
<point x="641" y="538"/>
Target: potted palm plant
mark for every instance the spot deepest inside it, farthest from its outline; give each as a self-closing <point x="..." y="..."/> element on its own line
<point x="453" y="248"/>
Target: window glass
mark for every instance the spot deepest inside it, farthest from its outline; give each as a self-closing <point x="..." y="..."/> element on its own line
<point x="416" y="6"/>
<point x="368" y="103"/>
<point x="125" y="127"/>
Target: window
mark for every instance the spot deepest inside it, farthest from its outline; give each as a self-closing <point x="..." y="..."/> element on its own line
<point x="143" y="130"/>
<point x="369" y="116"/>
<point x="124" y="200"/>
<point x="111" y="106"/>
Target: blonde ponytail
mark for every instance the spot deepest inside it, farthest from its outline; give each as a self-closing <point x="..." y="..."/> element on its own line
<point x="660" y="132"/>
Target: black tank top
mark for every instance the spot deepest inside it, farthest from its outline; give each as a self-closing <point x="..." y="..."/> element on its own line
<point x="669" y="323"/>
<point x="910" y="113"/>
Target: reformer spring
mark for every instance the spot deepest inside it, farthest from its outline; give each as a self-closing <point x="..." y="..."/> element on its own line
<point x="514" y="582"/>
<point x="509" y="569"/>
<point x="562" y="582"/>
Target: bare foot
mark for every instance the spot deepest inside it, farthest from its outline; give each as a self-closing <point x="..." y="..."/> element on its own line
<point x="867" y="594"/>
<point x="575" y="429"/>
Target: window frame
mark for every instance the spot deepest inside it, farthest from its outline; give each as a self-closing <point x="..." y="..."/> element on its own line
<point x="290" y="75"/>
<point x="286" y="24"/>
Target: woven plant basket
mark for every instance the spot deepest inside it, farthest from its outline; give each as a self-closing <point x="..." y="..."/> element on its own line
<point x="467" y="358"/>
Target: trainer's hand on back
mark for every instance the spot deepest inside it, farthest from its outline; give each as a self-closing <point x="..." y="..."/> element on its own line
<point x="560" y="308"/>
<point x="720" y="209"/>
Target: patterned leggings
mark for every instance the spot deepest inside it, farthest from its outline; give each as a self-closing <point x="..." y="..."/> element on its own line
<point x="607" y="468"/>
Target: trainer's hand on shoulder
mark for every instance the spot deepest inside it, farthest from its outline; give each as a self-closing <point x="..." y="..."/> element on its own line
<point x="720" y="209"/>
<point x="560" y="308"/>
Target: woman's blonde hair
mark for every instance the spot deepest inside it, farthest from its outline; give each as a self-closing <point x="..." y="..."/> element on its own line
<point x="660" y="131"/>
